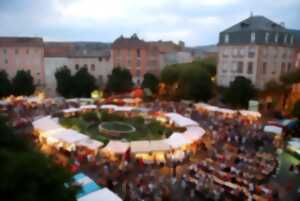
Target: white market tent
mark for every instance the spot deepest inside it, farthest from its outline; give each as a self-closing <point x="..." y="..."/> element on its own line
<point x="91" y="144"/>
<point x="46" y="124"/>
<point x="159" y="145"/>
<point x="124" y="108"/>
<point x="250" y="113"/>
<point x="69" y="136"/>
<point x="108" y="107"/>
<point x="180" y="120"/>
<point x="194" y="133"/>
<point x="141" y="146"/>
<point x="176" y="140"/>
<point x="117" y="147"/>
<point x="103" y="194"/>
<point x="88" y="107"/>
<point x="70" y="110"/>
<point x="273" y="129"/>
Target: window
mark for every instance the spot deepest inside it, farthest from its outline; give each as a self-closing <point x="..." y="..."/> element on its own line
<point x="16" y="51"/>
<point x="240" y="67"/>
<point x="264" y="68"/>
<point x="99" y="59"/>
<point x="138" y="63"/>
<point x="84" y="52"/>
<point x="129" y="62"/>
<point x="251" y="53"/>
<point x="92" y="67"/>
<point x="250" y="68"/>
<point x="4" y="51"/>
<point x="276" y="37"/>
<point x="267" y="36"/>
<point x="252" y="37"/>
<point x="138" y="53"/>
<point x="289" y="68"/>
<point x="85" y="66"/>
<point x="118" y="52"/>
<point x="226" y="38"/>
<point x="138" y="72"/>
<point x="282" y="67"/>
<point x="77" y="66"/>
<point x="27" y="51"/>
<point x="5" y="61"/>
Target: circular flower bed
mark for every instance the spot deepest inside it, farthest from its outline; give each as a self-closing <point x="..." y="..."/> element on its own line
<point x="116" y="129"/>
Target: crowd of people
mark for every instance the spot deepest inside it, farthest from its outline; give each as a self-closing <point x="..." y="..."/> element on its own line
<point x="232" y="165"/>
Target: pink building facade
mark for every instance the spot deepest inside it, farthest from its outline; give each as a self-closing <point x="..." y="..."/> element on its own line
<point x="24" y="53"/>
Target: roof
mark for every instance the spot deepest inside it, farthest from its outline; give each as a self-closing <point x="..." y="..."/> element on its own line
<point x="254" y="23"/>
<point x="21" y="42"/>
<point x="77" y="49"/>
<point x="165" y="46"/>
<point x="132" y="42"/>
<point x="296" y="34"/>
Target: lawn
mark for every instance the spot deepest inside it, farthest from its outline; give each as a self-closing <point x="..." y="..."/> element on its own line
<point x="88" y="124"/>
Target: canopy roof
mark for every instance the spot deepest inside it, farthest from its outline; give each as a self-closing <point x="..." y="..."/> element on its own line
<point x="176" y="140"/>
<point x="91" y="144"/>
<point x="88" y="107"/>
<point x="87" y="184"/>
<point x="159" y="145"/>
<point x="194" y="133"/>
<point x="69" y="136"/>
<point x="117" y="147"/>
<point x="71" y="109"/>
<point x="273" y="129"/>
<point x="101" y="195"/>
<point x="46" y="124"/>
<point x="141" y="146"/>
<point x="180" y="120"/>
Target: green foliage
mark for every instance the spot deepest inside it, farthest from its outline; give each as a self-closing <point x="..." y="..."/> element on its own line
<point x="291" y="77"/>
<point x="189" y="80"/>
<point x="5" y="85"/>
<point x="296" y="109"/>
<point x="83" y="83"/>
<point x="209" y="65"/>
<point x="119" y="81"/>
<point x="196" y="84"/>
<point x="27" y="175"/>
<point x="240" y="92"/>
<point x="151" y="129"/>
<point x="79" y="85"/>
<point x="151" y="82"/>
<point x="64" y="81"/>
<point x="23" y="83"/>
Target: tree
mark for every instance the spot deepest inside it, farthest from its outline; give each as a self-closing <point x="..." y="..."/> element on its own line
<point x="5" y="85"/>
<point x="195" y="83"/>
<point x="151" y="82"/>
<point x="240" y="91"/>
<point x="83" y="83"/>
<point x="28" y="175"/>
<point x="119" y="81"/>
<point x="23" y="83"/>
<point x="208" y="64"/>
<point x="296" y="109"/>
<point x="64" y="81"/>
<point x="170" y="74"/>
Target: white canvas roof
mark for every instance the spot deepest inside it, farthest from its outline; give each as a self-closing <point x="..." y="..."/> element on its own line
<point x="83" y="107"/>
<point x="69" y="110"/>
<point x="177" y="140"/>
<point x="159" y="145"/>
<point x="124" y="108"/>
<point x="250" y="113"/>
<point x="46" y="124"/>
<point x="103" y="194"/>
<point x="180" y="120"/>
<point x="69" y="136"/>
<point x="108" y="106"/>
<point x="194" y="133"/>
<point x="91" y="144"/>
<point x="273" y="129"/>
<point x="141" y="146"/>
<point x="117" y="147"/>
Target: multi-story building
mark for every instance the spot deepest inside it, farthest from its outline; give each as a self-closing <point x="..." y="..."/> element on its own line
<point x="23" y="53"/>
<point x="140" y="56"/>
<point x="94" y="56"/>
<point x="256" y="48"/>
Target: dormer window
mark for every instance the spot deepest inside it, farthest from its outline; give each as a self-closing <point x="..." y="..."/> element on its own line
<point x="267" y="36"/>
<point x="276" y="37"/>
<point x="252" y="37"/>
<point x="226" y="38"/>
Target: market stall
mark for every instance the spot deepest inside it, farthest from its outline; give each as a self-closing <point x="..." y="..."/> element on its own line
<point x="180" y="120"/>
<point x="103" y="194"/>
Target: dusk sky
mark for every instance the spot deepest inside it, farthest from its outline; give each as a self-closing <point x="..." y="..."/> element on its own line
<point x="197" y="22"/>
